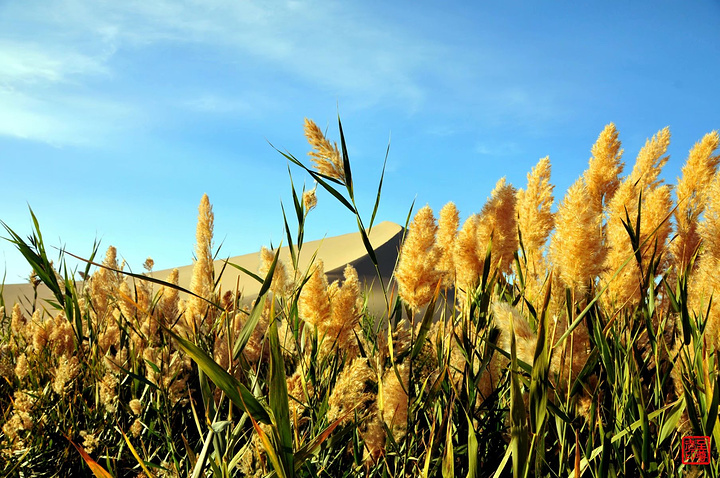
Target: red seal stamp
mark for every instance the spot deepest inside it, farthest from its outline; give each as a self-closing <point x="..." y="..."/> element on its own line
<point x="696" y="450"/>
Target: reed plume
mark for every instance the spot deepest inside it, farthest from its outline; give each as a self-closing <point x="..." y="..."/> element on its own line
<point x="602" y="177"/>
<point x="352" y="391"/>
<point x="395" y="399"/>
<point x="325" y="155"/>
<point x="706" y="279"/>
<point x="445" y="242"/>
<point x="20" y="421"/>
<point x="334" y="310"/>
<point x="346" y="308"/>
<point x="498" y="221"/>
<point x="416" y="274"/>
<point x="468" y="265"/>
<point x="373" y="439"/>
<point x="314" y="302"/>
<point x="170" y="298"/>
<point x="643" y="179"/>
<point x="281" y="284"/>
<point x="66" y="371"/>
<point x="299" y="391"/>
<point x="535" y="222"/>
<point x="203" y="275"/>
<point x="309" y="199"/>
<point x="104" y="283"/>
<point x="576" y="248"/>
<point x="692" y="194"/>
<point x="18" y="324"/>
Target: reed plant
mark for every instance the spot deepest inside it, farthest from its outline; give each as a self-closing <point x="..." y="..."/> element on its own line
<point x="524" y="343"/>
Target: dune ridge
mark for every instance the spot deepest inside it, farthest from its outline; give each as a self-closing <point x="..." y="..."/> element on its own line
<point x="336" y="252"/>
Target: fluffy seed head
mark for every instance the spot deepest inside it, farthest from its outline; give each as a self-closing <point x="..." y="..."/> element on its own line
<point x="602" y="177"/>
<point x="346" y="307"/>
<point x="136" y="406"/>
<point x="136" y="428"/>
<point x="468" y="265"/>
<point x="525" y="339"/>
<point x="706" y="280"/>
<point x="395" y="399"/>
<point x="281" y="285"/>
<point x="314" y="302"/>
<point x="326" y="156"/>
<point x="21" y="367"/>
<point x="18" y="322"/>
<point x="310" y="200"/>
<point x="65" y="372"/>
<point x="104" y="283"/>
<point x="692" y="194"/>
<point x="650" y="160"/>
<point x="352" y="391"/>
<point x="108" y="392"/>
<point x="643" y="180"/>
<point x="445" y="242"/>
<point x="170" y="298"/>
<point x="710" y="227"/>
<point x="417" y="275"/>
<point x="90" y="441"/>
<point x="202" y="282"/>
<point x="535" y="220"/>
<point x="576" y="248"/>
<point x="497" y="220"/>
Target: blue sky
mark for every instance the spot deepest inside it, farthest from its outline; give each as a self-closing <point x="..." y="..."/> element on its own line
<point x="115" y="117"/>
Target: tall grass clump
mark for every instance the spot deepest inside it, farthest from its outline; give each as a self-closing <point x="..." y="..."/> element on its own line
<point x="515" y="342"/>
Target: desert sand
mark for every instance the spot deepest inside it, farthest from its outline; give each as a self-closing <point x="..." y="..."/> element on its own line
<point x="336" y="252"/>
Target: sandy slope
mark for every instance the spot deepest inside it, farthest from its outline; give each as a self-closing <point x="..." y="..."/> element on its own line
<point x="336" y="252"/>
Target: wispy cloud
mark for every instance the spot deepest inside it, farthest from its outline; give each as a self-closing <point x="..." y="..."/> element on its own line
<point x="334" y="50"/>
<point x="25" y="63"/>
<point x="212" y="103"/>
<point x="296" y="50"/>
<point x="42" y="86"/>
<point x="67" y="120"/>
<point x="503" y="148"/>
<point x="228" y="104"/>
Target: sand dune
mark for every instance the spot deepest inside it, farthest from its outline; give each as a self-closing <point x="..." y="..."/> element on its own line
<point x="336" y="252"/>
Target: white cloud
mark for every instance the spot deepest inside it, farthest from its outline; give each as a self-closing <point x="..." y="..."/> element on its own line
<point x="65" y="120"/>
<point x="343" y="52"/>
<point x="28" y="63"/>
<point x="225" y="104"/>
<point x="490" y="148"/>
<point x="347" y="55"/>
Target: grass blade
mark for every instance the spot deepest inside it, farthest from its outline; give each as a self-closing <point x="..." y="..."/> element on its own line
<point x="202" y="459"/>
<point x="235" y="391"/>
<point x="278" y="398"/>
<point x="518" y="423"/>
<point x="245" y="271"/>
<point x="380" y="185"/>
<point x="448" y="463"/>
<point x="97" y="470"/>
<point x="316" y="444"/>
<point x="270" y="450"/>
<point x="426" y="322"/>
<point x="472" y="449"/>
<point x="249" y="327"/>
<point x="346" y="162"/>
<point x="670" y="423"/>
<point x="135" y="454"/>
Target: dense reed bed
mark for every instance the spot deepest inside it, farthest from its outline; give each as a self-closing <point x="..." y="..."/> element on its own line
<point x="523" y="342"/>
